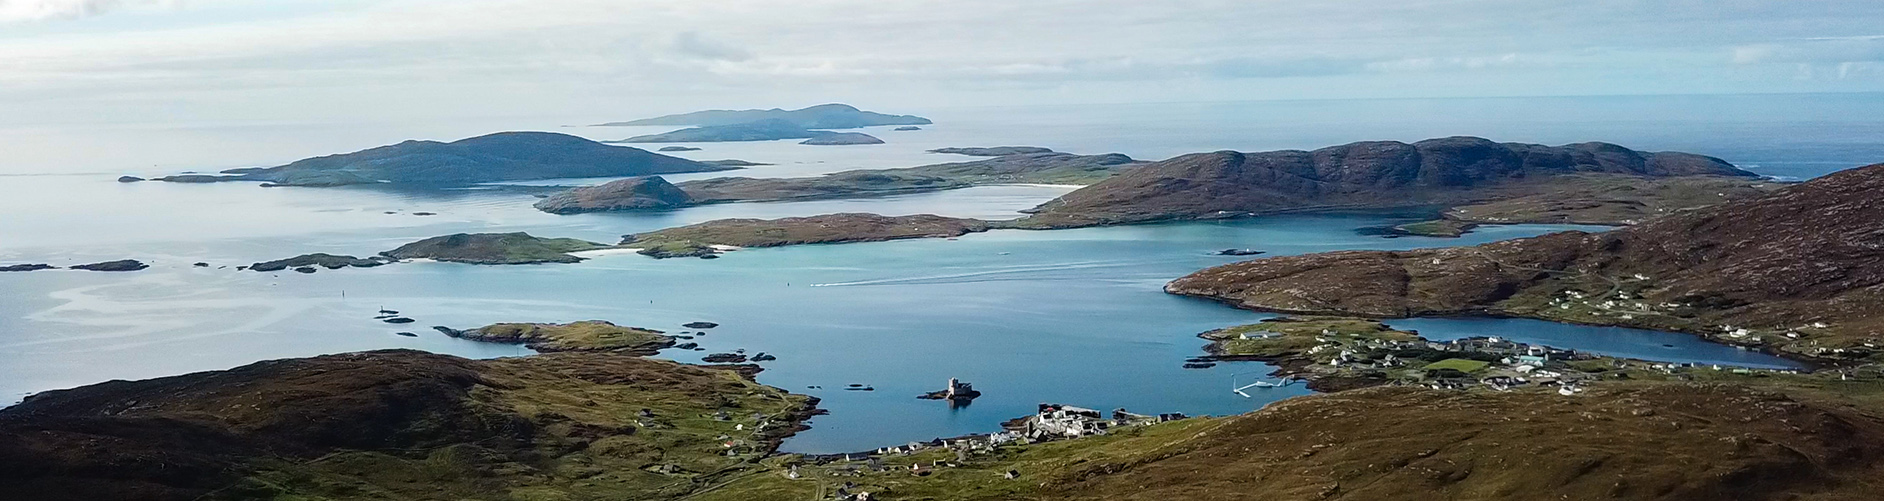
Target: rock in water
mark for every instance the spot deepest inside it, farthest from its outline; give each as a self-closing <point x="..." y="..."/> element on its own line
<point x="700" y="325"/>
<point x="678" y="148"/>
<point x="129" y="179"/>
<point x="26" y="267"/>
<point x="120" y="265"/>
<point x="635" y="193"/>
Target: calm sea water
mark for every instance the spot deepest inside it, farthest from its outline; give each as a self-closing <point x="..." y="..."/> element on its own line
<point x="1073" y="316"/>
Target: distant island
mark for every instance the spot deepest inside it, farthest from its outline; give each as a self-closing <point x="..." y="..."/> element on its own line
<point x="997" y="151"/>
<point x="842" y="139"/>
<point x="1446" y="172"/>
<point x="763" y="130"/>
<point x="658" y="194"/>
<point x="635" y="193"/>
<point x="705" y="239"/>
<point x="824" y="116"/>
<point x="494" y="248"/>
<point x="504" y="156"/>
<point x="1796" y="270"/>
<point x="1482" y="181"/>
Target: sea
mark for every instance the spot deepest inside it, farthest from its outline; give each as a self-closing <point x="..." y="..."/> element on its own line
<point x="1029" y="317"/>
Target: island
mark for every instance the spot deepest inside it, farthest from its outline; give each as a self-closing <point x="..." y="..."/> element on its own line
<point x="712" y="237"/>
<point x="399" y="424"/>
<point x="654" y="194"/>
<point x="824" y="116"/>
<point x="997" y="151"/>
<point x="763" y="130"/>
<point x="119" y="265"/>
<point x="500" y="157"/>
<point x="841" y="139"/>
<point x="1446" y="172"/>
<point x="667" y="149"/>
<point x="635" y="193"/>
<point x="590" y="335"/>
<point x="1795" y="271"/>
<point x="324" y="260"/>
<point x="27" y="267"/>
<point x="494" y="248"/>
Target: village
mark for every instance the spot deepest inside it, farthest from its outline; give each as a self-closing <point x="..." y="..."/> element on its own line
<point x="1359" y="352"/>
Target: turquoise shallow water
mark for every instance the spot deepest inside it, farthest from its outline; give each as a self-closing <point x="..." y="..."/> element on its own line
<point x="1073" y="316"/>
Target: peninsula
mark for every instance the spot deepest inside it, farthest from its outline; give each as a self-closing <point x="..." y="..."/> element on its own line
<point x="1797" y="271"/>
<point x="504" y="156"/>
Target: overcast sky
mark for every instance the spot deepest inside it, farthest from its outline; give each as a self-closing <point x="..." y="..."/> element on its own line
<point x="290" y="60"/>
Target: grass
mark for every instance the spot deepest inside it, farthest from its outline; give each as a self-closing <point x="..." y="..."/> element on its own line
<point x="1446" y="228"/>
<point x="1458" y="364"/>
<point x="981" y="477"/>
<point x="586" y="335"/>
<point x="591" y="441"/>
<point x="494" y="248"/>
<point x="1298" y="334"/>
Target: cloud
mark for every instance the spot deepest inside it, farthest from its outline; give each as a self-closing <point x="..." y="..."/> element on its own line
<point x="692" y="44"/>
<point x="36" y="10"/>
<point x="1826" y="50"/>
<point x="219" y="55"/>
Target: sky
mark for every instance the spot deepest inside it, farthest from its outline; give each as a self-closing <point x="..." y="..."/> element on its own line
<point x="104" y="61"/>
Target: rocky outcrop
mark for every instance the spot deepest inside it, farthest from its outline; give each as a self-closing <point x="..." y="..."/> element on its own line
<point x="677" y="148"/>
<point x="494" y="248"/>
<point x="636" y="193"/>
<point x="329" y="261"/>
<point x="825" y="116"/>
<point x="1380" y="174"/>
<point x="119" y="265"/>
<point x="129" y="179"/>
<point x="592" y="335"/>
<point x="26" y="267"/>
<point x="1801" y="269"/>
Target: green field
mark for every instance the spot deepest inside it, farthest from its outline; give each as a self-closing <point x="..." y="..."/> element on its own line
<point x="1458" y="364"/>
